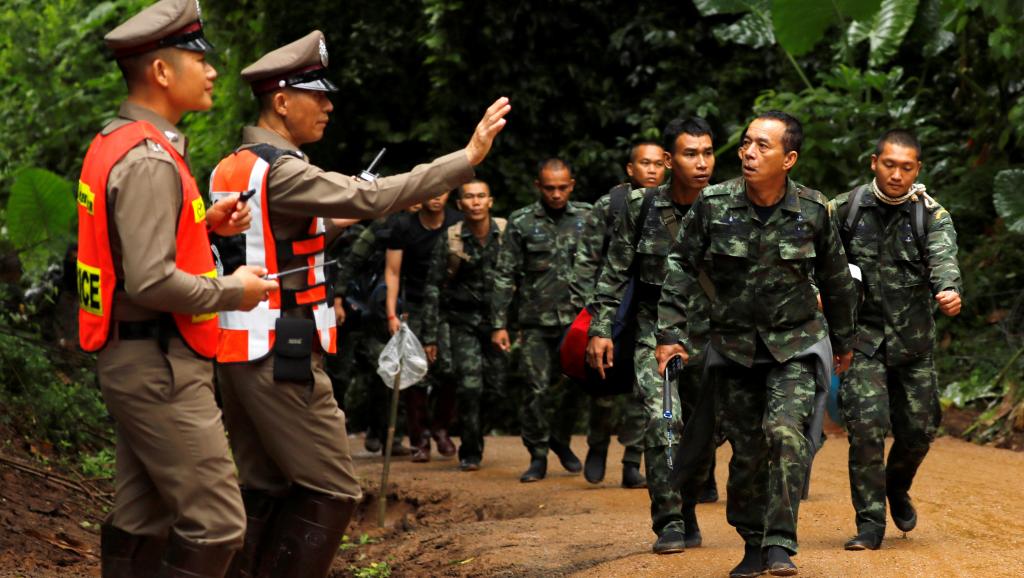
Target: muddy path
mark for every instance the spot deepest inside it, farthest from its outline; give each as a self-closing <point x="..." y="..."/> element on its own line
<point x="442" y="522"/>
<point x="970" y="501"/>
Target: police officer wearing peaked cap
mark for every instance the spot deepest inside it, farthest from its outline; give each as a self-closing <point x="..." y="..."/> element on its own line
<point x="287" y="431"/>
<point x="148" y="301"/>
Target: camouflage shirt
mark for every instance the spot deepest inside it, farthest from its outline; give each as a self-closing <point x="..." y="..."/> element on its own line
<point x="463" y="297"/>
<point x="647" y="260"/>
<point x="594" y="243"/>
<point x="371" y="241"/>
<point x="899" y="282"/>
<point x="535" y="264"/>
<point x="764" y="274"/>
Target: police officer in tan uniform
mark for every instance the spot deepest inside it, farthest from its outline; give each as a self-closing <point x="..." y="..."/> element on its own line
<point x="287" y="433"/>
<point x="177" y="510"/>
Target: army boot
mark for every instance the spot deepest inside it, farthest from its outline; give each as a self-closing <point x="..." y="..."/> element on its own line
<point x="777" y="561"/>
<point x="631" y="476"/>
<point x="692" y="532"/>
<point x="751" y="566"/>
<point x="185" y="559"/>
<point x="260" y="508"/>
<point x="902" y="510"/>
<point x="129" y="555"/>
<point x="593" y="468"/>
<point x="307" y="533"/>
<point x="670" y="541"/>
<point x="867" y="540"/>
<point x="568" y="459"/>
<point x="537" y="471"/>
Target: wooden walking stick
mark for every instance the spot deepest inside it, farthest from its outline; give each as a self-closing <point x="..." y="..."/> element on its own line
<point x="382" y="503"/>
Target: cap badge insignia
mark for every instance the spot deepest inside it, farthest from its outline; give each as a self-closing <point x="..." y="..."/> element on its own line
<point x="323" y="52"/>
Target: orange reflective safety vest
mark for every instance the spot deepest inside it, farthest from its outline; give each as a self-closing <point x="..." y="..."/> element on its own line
<point x="97" y="279"/>
<point x="249" y="335"/>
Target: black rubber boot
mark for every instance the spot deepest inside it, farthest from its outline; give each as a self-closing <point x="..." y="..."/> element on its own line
<point x="902" y="510"/>
<point x="777" y="561"/>
<point x="307" y="532"/>
<point x="867" y="540"/>
<point x="569" y="461"/>
<point x="631" y="476"/>
<point x="185" y="559"/>
<point x="260" y="508"/>
<point x="692" y="533"/>
<point x="128" y="555"/>
<point x="751" y="566"/>
<point x="593" y="468"/>
<point x="537" y="471"/>
<point x="670" y="542"/>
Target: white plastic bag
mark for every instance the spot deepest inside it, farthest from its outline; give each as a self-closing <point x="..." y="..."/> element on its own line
<point x="403" y="351"/>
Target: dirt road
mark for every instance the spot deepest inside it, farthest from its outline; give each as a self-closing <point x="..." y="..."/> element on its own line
<point x="970" y="501"/>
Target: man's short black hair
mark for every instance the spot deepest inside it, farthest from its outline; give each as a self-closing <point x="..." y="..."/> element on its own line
<point x="636" y="146"/>
<point x="793" y="138"/>
<point x="133" y="68"/>
<point x="691" y="125"/>
<point x="462" y="187"/>
<point x="901" y="137"/>
<point x="553" y="164"/>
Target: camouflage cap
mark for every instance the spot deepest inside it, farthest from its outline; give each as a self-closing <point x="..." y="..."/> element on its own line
<point x="166" y="24"/>
<point x="301" y="64"/>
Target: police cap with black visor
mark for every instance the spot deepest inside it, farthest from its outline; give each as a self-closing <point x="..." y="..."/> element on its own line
<point x="301" y="64"/>
<point x="165" y="24"/>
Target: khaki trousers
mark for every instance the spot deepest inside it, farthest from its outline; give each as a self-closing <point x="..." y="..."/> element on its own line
<point x="173" y="469"/>
<point x="286" y="433"/>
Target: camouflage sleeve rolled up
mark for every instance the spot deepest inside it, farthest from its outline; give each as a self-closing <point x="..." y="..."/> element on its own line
<point x="615" y="272"/>
<point x="436" y="273"/>
<point x="836" y="286"/>
<point x="506" y="275"/>
<point x="942" y="262"/>
<point x="684" y="262"/>
<point x="589" y="256"/>
<point x="358" y="255"/>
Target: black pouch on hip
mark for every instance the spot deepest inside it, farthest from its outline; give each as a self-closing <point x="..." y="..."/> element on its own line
<point x="293" y="349"/>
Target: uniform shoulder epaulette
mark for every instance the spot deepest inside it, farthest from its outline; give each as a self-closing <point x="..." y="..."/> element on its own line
<point x="581" y="205"/>
<point x="150" y="149"/>
<point x="841" y="198"/>
<point x="519" y="213"/>
<point x="717" y="190"/>
<point x="812" y="195"/>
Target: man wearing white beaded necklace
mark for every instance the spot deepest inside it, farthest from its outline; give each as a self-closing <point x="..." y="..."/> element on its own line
<point x="905" y="245"/>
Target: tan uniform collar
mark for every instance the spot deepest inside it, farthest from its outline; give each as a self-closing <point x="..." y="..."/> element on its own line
<point x="132" y="111"/>
<point x="254" y="135"/>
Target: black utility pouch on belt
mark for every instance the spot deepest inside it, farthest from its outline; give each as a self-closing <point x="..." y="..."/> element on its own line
<point x="293" y="349"/>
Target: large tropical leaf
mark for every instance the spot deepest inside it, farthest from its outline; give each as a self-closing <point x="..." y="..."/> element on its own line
<point x="799" y="25"/>
<point x="41" y="207"/>
<point x="1009" y="198"/>
<point x="885" y="30"/>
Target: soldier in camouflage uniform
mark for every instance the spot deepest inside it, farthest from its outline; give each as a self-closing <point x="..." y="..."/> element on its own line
<point x="891" y="385"/>
<point x="458" y="284"/>
<point x="646" y="168"/>
<point x="769" y="242"/>
<point x="641" y="248"/>
<point x="534" y="266"/>
<point x="365" y="395"/>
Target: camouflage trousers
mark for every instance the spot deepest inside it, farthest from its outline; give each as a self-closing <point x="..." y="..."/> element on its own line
<point x="764" y="411"/>
<point x="477" y="365"/>
<point x="546" y="389"/>
<point x="623" y="411"/>
<point x="666" y="499"/>
<point x="875" y="398"/>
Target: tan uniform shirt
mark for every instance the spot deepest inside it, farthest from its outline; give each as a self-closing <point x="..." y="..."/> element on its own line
<point x="298" y="190"/>
<point x="144" y="201"/>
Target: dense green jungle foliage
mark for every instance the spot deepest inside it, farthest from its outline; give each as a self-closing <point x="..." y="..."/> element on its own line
<point x="585" y="80"/>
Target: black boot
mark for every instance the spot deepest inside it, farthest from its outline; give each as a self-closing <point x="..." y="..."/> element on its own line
<point x="260" y="508"/>
<point x="867" y="540"/>
<point x="129" y="555"/>
<point x="185" y="559"/>
<point x="569" y="461"/>
<point x="537" y="471"/>
<point x="777" y="561"/>
<point x="751" y="566"/>
<point x="669" y="542"/>
<point x="593" y="469"/>
<point x="307" y="533"/>
<point x="631" y="476"/>
<point x="692" y="533"/>
<point x="902" y="510"/>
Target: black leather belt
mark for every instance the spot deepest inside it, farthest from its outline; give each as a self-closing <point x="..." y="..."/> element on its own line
<point x="138" y="330"/>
